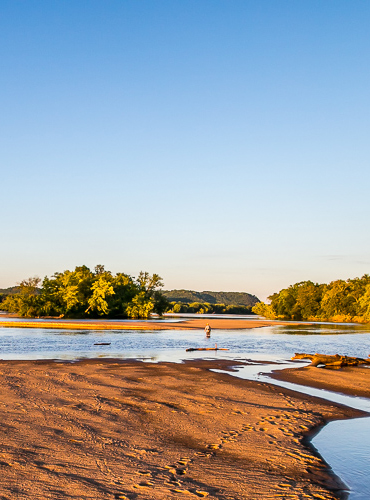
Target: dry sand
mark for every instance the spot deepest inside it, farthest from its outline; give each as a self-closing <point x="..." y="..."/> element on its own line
<point x="106" y="429"/>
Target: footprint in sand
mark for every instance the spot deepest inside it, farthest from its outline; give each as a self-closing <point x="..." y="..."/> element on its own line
<point x="214" y="446"/>
<point x="143" y="484"/>
<point x="286" y="432"/>
<point x="229" y="436"/>
<point x="178" y="469"/>
<point x="181" y="472"/>
<point x="271" y="420"/>
<point x="144" y="472"/>
<point x="284" y="485"/>
<point x="238" y="412"/>
<point x="175" y="482"/>
<point x="234" y="433"/>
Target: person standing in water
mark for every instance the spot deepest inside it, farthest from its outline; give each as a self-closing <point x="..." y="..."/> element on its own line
<point x="207" y="329"/>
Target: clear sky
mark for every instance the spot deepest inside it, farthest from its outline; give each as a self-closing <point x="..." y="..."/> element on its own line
<point x="223" y="144"/>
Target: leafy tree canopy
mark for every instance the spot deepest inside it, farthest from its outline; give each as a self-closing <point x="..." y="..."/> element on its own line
<point x="85" y="293"/>
<point x="337" y="301"/>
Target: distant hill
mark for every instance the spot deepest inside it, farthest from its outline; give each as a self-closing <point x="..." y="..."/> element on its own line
<point x="8" y="291"/>
<point x="227" y="298"/>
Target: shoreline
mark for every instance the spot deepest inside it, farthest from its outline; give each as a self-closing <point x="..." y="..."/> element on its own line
<point x="186" y="324"/>
<point x="349" y="380"/>
<point x="127" y="429"/>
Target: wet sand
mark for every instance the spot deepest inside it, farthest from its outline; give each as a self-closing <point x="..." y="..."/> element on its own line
<point x="351" y="380"/>
<point x="106" y="429"/>
<point x="187" y="324"/>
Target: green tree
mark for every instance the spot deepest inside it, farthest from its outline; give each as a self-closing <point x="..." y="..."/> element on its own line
<point x="72" y="291"/>
<point x="308" y="300"/>
<point x="124" y="291"/>
<point x="27" y="301"/>
<point x="336" y="300"/>
<point x="364" y="304"/>
<point x="101" y="289"/>
<point x="140" y="307"/>
<point x="82" y="293"/>
<point x="264" y="310"/>
<point x="177" y="308"/>
<point x="149" y="291"/>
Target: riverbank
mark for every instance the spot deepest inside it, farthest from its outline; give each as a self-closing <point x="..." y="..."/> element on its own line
<point x="181" y="324"/>
<point x="103" y="429"/>
<point x="351" y="380"/>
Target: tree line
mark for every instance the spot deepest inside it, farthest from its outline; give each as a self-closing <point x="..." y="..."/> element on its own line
<point x="207" y="308"/>
<point x="83" y="293"/>
<point x="340" y="300"/>
<point x="226" y="298"/>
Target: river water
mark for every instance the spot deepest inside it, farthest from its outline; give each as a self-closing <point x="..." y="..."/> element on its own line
<point x="273" y="344"/>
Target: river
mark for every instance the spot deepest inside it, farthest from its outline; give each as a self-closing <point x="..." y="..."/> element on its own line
<point x="275" y="344"/>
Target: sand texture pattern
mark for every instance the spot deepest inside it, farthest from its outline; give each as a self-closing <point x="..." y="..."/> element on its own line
<point x="107" y="429"/>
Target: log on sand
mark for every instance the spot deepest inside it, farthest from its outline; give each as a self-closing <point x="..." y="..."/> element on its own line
<point x="331" y="359"/>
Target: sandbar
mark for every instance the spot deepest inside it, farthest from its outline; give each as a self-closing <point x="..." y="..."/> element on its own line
<point x="351" y="380"/>
<point x="182" y="324"/>
<point x="123" y="429"/>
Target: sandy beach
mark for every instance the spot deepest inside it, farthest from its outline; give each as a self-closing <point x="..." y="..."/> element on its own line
<point x="107" y="429"/>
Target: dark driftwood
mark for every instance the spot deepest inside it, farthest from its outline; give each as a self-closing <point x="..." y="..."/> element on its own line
<point x="215" y="348"/>
<point x="331" y="360"/>
<point x="102" y="343"/>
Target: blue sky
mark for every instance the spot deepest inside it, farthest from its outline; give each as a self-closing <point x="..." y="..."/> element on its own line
<point x="221" y="144"/>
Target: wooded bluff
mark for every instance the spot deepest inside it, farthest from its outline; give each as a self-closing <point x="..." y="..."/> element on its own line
<point x="207" y="302"/>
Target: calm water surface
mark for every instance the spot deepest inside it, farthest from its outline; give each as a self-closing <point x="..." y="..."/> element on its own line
<point x="348" y="457"/>
<point x="273" y="342"/>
